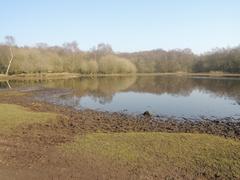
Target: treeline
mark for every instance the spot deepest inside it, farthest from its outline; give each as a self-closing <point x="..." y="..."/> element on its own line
<point x="63" y="59"/>
<point x="223" y="60"/>
<point x="162" y="61"/>
<point x="102" y="59"/>
<point x="218" y="60"/>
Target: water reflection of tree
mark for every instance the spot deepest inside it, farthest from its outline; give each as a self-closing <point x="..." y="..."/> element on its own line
<point x="184" y="86"/>
<point x="103" y="99"/>
<point x="3" y="85"/>
<point x="173" y="85"/>
<point x="101" y="88"/>
<point x="104" y="88"/>
<point x="221" y="87"/>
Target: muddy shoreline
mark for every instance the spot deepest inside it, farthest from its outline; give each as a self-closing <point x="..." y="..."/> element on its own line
<point x="85" y="121"/>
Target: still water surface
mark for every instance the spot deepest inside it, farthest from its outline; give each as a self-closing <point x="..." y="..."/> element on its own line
<point x="177" y="96"/>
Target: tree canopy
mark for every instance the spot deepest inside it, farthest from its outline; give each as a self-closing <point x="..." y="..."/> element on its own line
<point x="102" y="59"/>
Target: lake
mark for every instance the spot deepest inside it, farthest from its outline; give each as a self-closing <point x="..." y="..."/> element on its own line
<point x="170" y="96"/>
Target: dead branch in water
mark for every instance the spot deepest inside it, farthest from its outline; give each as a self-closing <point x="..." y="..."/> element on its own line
<point x="10" y="62"/>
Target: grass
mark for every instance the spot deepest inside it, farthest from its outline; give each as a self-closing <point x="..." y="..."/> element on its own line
<point x="11" y="116"/>
<point x="195" y="154"/>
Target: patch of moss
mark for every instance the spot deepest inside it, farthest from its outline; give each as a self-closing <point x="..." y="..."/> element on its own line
<point x="196" y="154"/>
<point x="12" y="116"/>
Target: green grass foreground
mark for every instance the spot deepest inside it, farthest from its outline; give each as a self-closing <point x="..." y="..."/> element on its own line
<point x="195" y="154"/>
<point x="11" y="116"/>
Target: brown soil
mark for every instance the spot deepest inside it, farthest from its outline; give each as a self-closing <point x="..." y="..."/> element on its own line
<point x="30" y="151"/>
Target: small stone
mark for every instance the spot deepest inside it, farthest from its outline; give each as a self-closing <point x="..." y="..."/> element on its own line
<point x="146" y="113"/>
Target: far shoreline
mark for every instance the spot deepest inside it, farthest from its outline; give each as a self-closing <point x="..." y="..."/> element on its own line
<point x="64" y="75"/>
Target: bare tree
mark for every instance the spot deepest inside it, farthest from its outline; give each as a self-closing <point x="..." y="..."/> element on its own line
<point x="8" y="83"/>
<point x="41" y="45"/>
<point x="10" y="41"/>
<point x="104" y="49"/>
<point x="101" y="50"/>
<point x="93" y="50"/>
<point x="71" y="46"/>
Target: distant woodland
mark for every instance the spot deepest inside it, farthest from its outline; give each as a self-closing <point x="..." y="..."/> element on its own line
<point x="102" y="59"/>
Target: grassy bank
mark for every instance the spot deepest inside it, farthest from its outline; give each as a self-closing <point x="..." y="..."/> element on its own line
<point x="37" y="76"/>
<point x="12" y="116"/>
<point x="191" y="154"/>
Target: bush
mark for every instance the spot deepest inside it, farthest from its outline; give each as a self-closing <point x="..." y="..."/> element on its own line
<point x="111" y="64"/>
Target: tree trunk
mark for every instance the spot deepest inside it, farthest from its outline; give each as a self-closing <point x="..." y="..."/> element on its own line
<point x="9" y="86"/>
<point x="10" y="62"/>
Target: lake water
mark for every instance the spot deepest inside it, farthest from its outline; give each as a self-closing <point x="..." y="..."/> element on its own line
<point x="177" y="96"/>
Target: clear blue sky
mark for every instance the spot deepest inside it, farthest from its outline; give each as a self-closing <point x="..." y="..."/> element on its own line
<point x="128" y="25"/>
